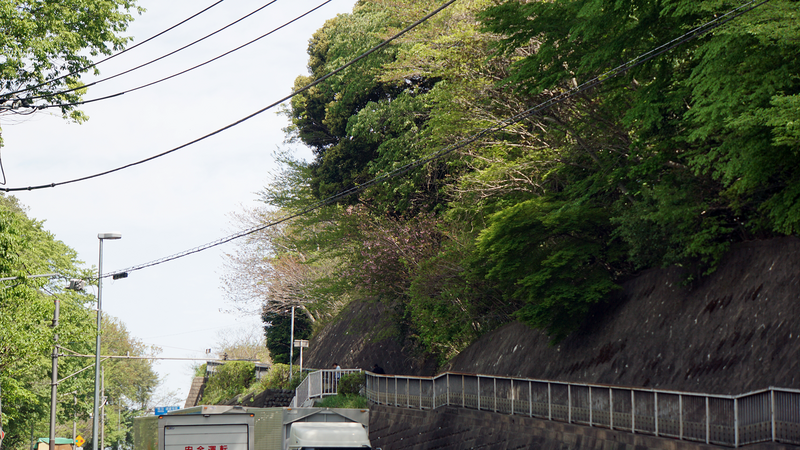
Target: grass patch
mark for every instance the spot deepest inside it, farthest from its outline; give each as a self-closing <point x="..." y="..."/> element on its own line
<point x="343" y="401"/>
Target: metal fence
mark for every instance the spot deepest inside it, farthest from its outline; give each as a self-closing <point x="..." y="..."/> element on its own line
<point x="768" y="415"/>
<point x="318" y="384"/>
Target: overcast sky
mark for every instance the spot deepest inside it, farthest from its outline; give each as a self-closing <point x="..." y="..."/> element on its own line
<point x="179" y="201"/>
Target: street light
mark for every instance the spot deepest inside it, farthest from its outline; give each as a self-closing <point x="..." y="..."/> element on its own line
<point x="95" y="416"/>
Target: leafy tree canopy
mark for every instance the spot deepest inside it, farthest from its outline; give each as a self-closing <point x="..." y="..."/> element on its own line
<point x="27" y="335"/>
<point x="669" y="163"/>
<point x="45" y="46"/>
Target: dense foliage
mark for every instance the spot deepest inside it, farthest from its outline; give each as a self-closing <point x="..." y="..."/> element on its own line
<point x="228" y="381"/>
<point x="46" y="46"/>
<point x="668" y="163"/>
<point x="278" y="330"/>
<point x="27" y="338"/>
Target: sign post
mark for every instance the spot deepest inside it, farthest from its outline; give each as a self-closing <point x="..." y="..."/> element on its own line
<point x="301" y="343"/>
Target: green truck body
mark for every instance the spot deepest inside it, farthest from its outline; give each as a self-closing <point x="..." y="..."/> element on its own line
<point x="241" y="428"/>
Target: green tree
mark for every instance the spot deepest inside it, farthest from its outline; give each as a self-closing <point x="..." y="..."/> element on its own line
<point x="26" y="313"/>
<point x="27" y="336"/>
<point x="47" y="45"/>
<point x="278" y="330"/>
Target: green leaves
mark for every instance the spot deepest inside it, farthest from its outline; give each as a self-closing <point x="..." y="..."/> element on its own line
<point x="42" y="42"/>
<point x="555" y="258"/>
<point x="27" y="337"/>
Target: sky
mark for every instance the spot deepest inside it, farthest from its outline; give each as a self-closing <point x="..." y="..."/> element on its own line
<point x="179" y="201"/>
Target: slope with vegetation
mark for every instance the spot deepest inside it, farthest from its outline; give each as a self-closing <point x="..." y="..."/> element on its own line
<point x="667" y="164"/>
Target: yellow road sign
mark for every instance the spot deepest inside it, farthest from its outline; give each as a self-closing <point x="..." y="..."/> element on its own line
<point x="79" y="441"/>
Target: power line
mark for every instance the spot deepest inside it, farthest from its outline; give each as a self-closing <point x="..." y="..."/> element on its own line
<point x="637" y="61"/>
<point x="83" y="102"/>
<point x="83" y="69"/>
<point x="244" y="119"/>
<point x="159" y="59"/>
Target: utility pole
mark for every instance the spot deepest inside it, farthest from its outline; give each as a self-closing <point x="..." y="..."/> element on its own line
<point x="54" y="379"/>
<point x="74" y="421"/>
<point x="103" y="413"/>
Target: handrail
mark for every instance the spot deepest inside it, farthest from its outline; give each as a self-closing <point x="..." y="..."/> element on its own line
<point x="771" y="414"/>
<point x="319" y="384"/>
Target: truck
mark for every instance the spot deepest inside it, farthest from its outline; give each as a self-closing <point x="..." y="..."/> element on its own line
<point x="223" y="427"/>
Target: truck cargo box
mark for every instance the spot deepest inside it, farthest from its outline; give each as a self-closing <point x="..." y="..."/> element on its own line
<point x="240" y="428"/>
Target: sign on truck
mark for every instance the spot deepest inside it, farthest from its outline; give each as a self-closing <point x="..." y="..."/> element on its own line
<point x="240" y="428"/>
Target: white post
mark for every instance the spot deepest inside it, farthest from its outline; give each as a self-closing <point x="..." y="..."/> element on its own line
<point x="610" y="408"/>
<point x="735" y="422"/>
<point x="708" y="422"/>
<point x="291" y="349"/>
<point x="680" y="415"/>
<point x="512" y="396"/>
<point x="772" y="411"/>
<point x="494" y="393"/>
<point x="655" y="407"/>
<point x="569" y="403"/>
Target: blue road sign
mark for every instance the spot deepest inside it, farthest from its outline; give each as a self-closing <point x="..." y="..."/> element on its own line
<point x="165" y="409"/>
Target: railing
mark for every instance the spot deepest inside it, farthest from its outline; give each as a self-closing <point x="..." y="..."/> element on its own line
<point x="768" y="415"/>
<point x="318" y="384"/>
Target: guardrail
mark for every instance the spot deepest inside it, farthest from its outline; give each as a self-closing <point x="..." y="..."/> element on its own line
<point x="318" y="384"/>
<point x="771" y="414"/>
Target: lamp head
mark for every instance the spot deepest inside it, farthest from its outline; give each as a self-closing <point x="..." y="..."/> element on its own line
<point x="110" y="235"/>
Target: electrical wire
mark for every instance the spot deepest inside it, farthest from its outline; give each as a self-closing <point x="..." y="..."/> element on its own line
<point x="159" y="59"/>
<point x="83" y="69"/>
<point x="246" y="118"/>
<point x="637" y="61"/>
<point x="83" y="102"/>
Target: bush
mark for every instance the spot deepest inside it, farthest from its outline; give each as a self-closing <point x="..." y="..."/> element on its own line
<point x="352" y="383"/>
<point x="279" y="377"/>
<point x="230" y="380"/>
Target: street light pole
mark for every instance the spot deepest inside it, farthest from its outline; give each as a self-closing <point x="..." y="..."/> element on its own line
<point x="95" y="416"/>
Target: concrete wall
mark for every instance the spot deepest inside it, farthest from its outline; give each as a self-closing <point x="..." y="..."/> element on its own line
<point x="451" y="428"/>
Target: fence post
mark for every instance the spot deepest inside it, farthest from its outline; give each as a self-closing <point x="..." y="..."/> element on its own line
<point x="447" y="377"/>
<point x="512" y="396"/>
<point x="590" y="406"/>
<point x="408" y="392"/>
<point x="708" y="422"/>
<point x="735" y="422"/>
<point x="549" y="403"/>
<point x="395" y="392"/>
<point x="772" y="411"/>
<point x="569" y="403"/>
<point x="610" y="408"/>
<point x="433" y="393"/>
<point x="479" y="392"/>
<point x="655" y="410"/>
<point x="680" y="415"/>
<point x="463" y="393"/>
<point x="633" y="412"/>
<point x="530" y="399"/>
<point x="420" y="394"/>
<point x="494" y="392"/>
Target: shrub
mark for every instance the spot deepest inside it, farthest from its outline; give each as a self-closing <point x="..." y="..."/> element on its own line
<point x="279" y="377"/>
<point x="352" y="383"/>
<point x="230" y="379"/>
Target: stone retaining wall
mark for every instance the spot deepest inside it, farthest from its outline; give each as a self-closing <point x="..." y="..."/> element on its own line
<point x="451" y="428"/>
